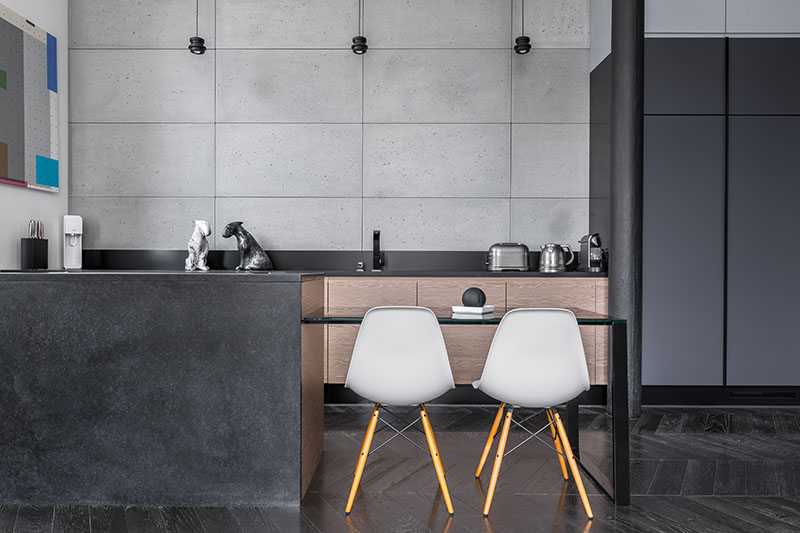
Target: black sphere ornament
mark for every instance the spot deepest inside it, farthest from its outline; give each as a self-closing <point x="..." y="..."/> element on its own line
<point x="197" y="45"/>
<point x="473" y="297"/>
<point x="359" y="45"/>
<point x="523" y="45"/>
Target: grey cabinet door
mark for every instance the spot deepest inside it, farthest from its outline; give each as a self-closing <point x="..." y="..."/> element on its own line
<point x="764" y="76"/>
<point x="763" y="251"/>
<point x="684" y="76"/>
<point x="683" y="250"/>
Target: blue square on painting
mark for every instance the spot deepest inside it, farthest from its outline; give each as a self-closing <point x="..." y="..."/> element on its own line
<point x="46" y="171"/>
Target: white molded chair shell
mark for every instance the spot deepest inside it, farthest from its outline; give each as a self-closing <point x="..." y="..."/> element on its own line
<point x="536" y="359"/>
<point x="399" y="357"/>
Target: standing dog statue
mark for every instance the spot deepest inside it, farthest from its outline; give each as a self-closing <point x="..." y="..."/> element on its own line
<point x="198" y="247"/>
<point x="251" y="255"/>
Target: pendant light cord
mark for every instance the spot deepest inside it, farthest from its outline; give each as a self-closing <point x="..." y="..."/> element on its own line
<point x="360" y="9"/>
<point x="523" y="17"/>
<point x="197" y="17"/>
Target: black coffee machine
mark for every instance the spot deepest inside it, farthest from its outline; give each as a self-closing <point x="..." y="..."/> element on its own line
<point x="591" y="255"/>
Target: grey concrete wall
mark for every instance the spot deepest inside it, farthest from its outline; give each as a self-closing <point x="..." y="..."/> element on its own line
<point x="440" y="136"/>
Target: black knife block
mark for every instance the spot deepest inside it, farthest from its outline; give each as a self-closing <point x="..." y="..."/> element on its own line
<point x="34" y="254"/>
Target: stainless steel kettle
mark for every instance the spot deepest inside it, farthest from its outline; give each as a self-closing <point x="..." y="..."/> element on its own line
<point x="553" y="257"/>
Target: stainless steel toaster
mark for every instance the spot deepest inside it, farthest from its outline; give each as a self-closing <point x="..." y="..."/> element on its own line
<point x="507" y="256"/>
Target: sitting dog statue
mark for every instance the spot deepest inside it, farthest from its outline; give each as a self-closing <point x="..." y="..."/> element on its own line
<point x="198" y="247"/>
<point x="251" y="255"/>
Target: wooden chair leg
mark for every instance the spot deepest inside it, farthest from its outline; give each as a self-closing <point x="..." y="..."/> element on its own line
<point x="437" y="460"/>
<point x="573" y="466"/>
<point x="498" y="459"/>
<point x="490" y="439"/>
<point x="362" y="459"/>
<point x="557" y="441"/>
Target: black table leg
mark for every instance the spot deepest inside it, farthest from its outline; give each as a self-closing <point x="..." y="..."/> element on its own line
<point x="619" y="414"/>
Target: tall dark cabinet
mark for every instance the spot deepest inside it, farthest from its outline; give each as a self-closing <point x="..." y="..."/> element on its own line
<point x="683" y="212"/>
<point x="721" y="193"/>
<point x="763" y="273"/>
<point x="684" y="250"/>
<point x="763" y="198"/>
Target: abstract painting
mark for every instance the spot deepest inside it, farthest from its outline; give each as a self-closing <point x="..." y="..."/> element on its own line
<point x="28" y="104"/>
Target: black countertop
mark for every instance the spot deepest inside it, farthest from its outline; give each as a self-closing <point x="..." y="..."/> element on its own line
<point x="274" y="275"/>
<point x="466" y="274"/>
<point x="332" y="263"/>
<point x="157" y="275"/>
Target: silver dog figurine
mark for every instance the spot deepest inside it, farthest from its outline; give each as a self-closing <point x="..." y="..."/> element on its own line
<point x="251" y="255"/>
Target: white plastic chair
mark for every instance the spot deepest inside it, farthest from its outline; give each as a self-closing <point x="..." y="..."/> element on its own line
<point x="399" y="359"/>
<point x="536" y="360"/>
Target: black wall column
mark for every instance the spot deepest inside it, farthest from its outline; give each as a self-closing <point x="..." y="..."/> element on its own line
<point x="627" y="97"/>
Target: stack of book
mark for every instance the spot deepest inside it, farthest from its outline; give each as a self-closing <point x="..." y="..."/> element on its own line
<point x="473" y="313"/>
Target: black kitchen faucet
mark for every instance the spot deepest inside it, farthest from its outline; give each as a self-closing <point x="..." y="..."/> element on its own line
<point x="377" y="260"/>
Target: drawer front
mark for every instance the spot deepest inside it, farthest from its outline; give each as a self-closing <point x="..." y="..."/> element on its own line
<point x="601" y="358"/>
<point x="355" y="296"/>
<point x="589" y="338"/>
<point x="601" y="335"/>
<point x="341" y="340"/>
<point x="440" y="294"/>
<point x="467" y="348"/>
<point x="601" y="296"/>
<point x="569" y="293"/>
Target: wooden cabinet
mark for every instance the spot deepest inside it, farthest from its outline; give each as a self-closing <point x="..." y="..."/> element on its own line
<point x="348" y="296"/>
<point x="572" y="293"/>
<point x="590" y="294"/>
<point x="467" y="348"/>
<point x="440" y="294"/>
<point x="467" y="345"/>
<point x="341" y="340"/>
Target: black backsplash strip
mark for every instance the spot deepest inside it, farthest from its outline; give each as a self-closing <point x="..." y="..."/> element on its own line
<point x="289" y="260"/>
<point x="297" y="260"/>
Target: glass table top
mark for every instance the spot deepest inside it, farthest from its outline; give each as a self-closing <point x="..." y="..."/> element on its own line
<point x="584" y="317"/>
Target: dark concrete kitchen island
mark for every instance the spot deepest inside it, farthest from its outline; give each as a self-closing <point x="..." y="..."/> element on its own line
<point x="157" y="388"/>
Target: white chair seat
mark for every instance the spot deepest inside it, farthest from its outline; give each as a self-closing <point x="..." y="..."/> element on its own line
<point x="536" y="359"/>
<point x="399" y="357"/>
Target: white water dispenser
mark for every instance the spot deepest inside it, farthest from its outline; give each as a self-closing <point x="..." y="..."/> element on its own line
<point x="73" y="242"/>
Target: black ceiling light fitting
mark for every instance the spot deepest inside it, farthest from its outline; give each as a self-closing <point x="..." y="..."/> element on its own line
<point x="197" y="45"/>
<point x="523" y="42"/>
<point x="359" y="45"/>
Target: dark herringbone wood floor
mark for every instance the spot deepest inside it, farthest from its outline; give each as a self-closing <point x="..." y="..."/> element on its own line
<point x="704" y="470"/>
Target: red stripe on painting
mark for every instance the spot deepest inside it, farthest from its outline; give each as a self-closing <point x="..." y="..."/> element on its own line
<point x="12" y="182"/>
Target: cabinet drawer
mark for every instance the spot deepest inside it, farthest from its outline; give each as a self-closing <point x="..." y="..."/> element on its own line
<point x="601" y="356"/>
<point x="566" y="293"/>
<point x="341" y="340"/>
<point x="467" y="348"/>
<point x="601" y="296"/>
<point x="440" y="294"/>
<point x="355" y="296"/>
<point x="589" y="338"/>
